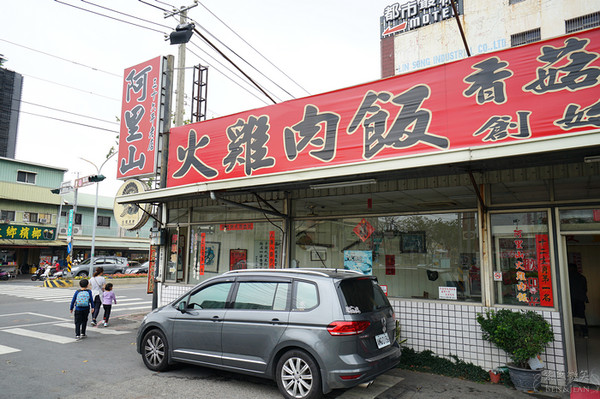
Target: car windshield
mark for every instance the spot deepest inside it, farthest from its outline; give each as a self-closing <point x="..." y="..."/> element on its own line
<point x="362" y="295"/>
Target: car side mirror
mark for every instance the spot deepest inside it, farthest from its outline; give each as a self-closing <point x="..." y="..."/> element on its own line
<point x="182" y="306"/>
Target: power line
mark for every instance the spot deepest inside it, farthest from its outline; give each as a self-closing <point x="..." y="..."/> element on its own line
<point x="243" y="59"/>
<point x="127" y="15"/>
<point x="73" y="88"/>
<point x="108" y="16"/>
<point x="227" y="77"/>
<point x="66" y="121"/>
<point x="68" y="112"/>
<point x="258" y="52"/>
<point x="60" y="58"/>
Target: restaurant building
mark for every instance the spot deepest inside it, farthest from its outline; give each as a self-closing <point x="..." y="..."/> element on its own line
<point x="464" y="186"/>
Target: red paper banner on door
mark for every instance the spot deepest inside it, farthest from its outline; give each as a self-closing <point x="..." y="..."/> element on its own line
<point x="271" y="250"/>
<point x="544" y="269"/>
<point x="202" y="252"/>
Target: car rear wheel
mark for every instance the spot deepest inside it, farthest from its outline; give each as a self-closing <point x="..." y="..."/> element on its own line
<point x="82" y="274"/>
<point x="154" y="350"/>
<point x="298" y="376"/>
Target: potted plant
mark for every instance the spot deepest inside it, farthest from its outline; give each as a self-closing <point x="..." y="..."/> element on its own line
<point x="523" y="335"/>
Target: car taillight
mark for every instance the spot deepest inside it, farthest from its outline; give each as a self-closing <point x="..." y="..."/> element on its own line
<point x="350" y="376"/>
<point x="347" y="327"/>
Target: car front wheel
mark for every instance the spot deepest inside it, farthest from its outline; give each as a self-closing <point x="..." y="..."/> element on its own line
<point x="154" y="350"/>
<point x="298" y="376"/>
<point x="82" y="274"/>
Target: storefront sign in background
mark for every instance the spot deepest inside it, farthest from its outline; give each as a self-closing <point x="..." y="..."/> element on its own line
<point x="21" y="232"/>
<point x="140" y="119"/>
<point x="519" y="94"/>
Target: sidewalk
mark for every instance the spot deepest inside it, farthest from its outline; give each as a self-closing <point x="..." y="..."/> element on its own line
<point x="406" y="384"/>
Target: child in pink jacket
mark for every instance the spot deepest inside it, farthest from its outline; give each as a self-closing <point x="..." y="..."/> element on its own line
<point x="108" y="297"/>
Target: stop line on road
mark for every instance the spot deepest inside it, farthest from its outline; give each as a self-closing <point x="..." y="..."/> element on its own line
<point x="64" y="295"/>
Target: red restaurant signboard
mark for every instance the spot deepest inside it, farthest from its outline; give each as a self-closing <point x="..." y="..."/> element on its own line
<point x="140" y="119"/>
<point x="520" y="94"/>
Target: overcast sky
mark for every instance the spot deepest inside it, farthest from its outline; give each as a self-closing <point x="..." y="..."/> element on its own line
<point x="73" y="61"/>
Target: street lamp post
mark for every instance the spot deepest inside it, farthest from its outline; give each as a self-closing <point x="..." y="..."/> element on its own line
<point x="98" y="179"/>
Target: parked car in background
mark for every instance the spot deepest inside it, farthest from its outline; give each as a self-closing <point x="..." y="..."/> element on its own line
<point x="134" y="263"/>
<point x="139" y="269"/>
<point x="311" y="330"/>
<point x="110" y="264"/>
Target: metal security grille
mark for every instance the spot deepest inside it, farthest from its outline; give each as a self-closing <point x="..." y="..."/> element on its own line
<point x="530" y="36"/>
<point x="582" y="23"/>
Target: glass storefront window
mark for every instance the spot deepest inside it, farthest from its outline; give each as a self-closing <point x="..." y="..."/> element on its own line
<point x="220" y="247"/>
<point x="432" y="256"/>
<point x="579" y="219"/>
<point x="522" y="262"/>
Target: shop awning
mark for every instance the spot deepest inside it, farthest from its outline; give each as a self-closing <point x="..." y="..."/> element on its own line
<point x="530" y="148"/>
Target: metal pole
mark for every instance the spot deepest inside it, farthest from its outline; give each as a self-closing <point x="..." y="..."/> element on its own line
<point x="180" y="76"/>
<point x="95" y="221"/>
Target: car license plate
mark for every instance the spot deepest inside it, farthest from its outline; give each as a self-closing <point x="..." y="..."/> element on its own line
<point x="382" y="340"/>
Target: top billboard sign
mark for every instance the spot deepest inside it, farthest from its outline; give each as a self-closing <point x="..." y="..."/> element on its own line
<point x="412" y="14"/>
<point x="140" y="118"/>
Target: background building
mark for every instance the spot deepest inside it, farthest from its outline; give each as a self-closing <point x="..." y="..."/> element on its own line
<point x="414" y="37"/>
<point x="11" y="84"/>
<point x="31" y="230"/>
<point x="461" y="188"/>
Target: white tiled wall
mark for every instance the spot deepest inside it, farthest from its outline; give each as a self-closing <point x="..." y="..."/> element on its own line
<point x="452" y="329"/>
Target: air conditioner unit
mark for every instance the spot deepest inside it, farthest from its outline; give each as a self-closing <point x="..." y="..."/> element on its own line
<point x="77" y="231"/>
<point x="62" y="230"/>
<point x="42" y="220"/>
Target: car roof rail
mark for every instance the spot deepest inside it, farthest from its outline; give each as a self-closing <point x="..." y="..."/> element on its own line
<point x="313" y="271"/>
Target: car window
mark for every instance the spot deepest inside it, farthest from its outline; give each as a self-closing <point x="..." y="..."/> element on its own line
<point x="109" y="261"/>
<point x="306" y="296"/>
<point x="362" y="295"/>
<point x="211" y="297"/>
<point x="261" y="295"/>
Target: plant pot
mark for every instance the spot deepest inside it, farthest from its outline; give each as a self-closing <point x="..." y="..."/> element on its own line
<point x="494" y="377"/>
<point x="525" y="379"/>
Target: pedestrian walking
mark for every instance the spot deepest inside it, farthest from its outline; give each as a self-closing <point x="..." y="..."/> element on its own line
<point x="108" y="297"/>
<point x="81" y="303"/>
<point x="98" y="283"/>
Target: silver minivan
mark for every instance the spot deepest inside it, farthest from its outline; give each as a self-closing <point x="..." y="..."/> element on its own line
<point x="312" y="330"/>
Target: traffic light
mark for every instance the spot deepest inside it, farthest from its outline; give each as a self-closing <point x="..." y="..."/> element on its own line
<point x="96" y="178"/>
<point x="182" y="34"/>
<point x="55" y="191"/>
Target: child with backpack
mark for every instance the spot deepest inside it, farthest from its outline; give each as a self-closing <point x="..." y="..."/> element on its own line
<point x="82" y="302"/>
<point x="108" y="297"/>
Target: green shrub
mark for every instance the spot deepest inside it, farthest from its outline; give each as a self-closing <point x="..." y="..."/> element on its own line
<point x="427" y="361"/>
<point x="521" y="334"/>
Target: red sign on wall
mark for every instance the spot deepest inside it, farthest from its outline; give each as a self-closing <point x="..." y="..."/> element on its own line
<point x="140" y="119"/>
<point x="544" y="270"/>
<point x="525" y="93"/>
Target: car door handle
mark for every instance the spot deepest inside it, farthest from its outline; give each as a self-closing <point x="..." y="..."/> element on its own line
<point x="275" y="321"/>
<point x="216" y="318"/>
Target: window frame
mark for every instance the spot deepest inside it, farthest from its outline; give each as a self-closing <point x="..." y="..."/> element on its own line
<point x="5" y="214"/>
<point x="28" y="175"/>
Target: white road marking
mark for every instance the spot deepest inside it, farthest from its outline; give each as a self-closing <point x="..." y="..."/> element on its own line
<point x="40" y="335"/>
<point x="101" y="330"/>
<point x="7" y="349"/>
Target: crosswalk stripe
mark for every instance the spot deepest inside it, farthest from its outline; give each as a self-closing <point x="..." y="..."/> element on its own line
<point x="40" y="335"/>
<point x="7" y="349"/>
<point x="134" y="308"/>
<point x="101" y="330"/>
